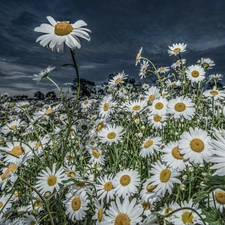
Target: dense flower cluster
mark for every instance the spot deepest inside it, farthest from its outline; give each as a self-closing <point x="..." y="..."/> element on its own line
<point x="137" y="155"/>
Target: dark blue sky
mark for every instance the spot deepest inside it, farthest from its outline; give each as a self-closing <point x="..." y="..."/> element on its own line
<point x="119" y="29"/>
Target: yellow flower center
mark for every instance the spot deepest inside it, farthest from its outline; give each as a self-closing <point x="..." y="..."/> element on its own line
<point x="86" y="102"/>
<point x="48" y="111"/>
<point x="100" y="126"/>
<point x="138" y="56"/>
<point x="125" y="180"/>
<point x="118" y="80"/>
<point x="13" y="127"/>
<point x="195" y="73"/>
<point x="136" y="107"/>
<point x="214" y="92"/>
<point x="187" y="217"/>
<point x="148" y="143"/>
<point x="52" y="180"/>
<point x="168" y="210"/>
<point x="32" y="222"/>
<point x="165" y="175"/>
<point x="69" y="157"/>
<point x="111" y="135"/>
<point x="220" y="197"/>
<point x="180" y="107"/>
<point x="157" y="118"/>
<point x="176" y="50"/>
<point x="108" y="186"/>
<point x="100" y="214"/>
<point x="161" y="69"/>
<point x="37" y="203"/>
<point x="151" y="97"/>
<point x="122" y="219"/>
<point x="17" y="150"/>
<point x="95" y="153"/>
<point x="16" y="195"/>
<point x="159" y="105"/>
<point x="37" y="145"/>
<point x="76" y="203"/>
<point x="150" y="187"/>
<point x="63" y="28"/>
<point x="146" y="205"/>
<point x="176" y="153"/>
<point x="1" y="204"/>
<point x="70" y="174"/>
<point x="197" y="145"/>
<point x="10" y="169"/>
<point x="106" y="106"/>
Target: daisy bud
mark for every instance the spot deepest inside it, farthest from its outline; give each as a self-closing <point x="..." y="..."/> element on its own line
<point x="91" y="177"/>
<point x="184" y="177"/>
<point x="140" y="135"/>
<point x="191" y="169"/>
<point x="182" y="187"/>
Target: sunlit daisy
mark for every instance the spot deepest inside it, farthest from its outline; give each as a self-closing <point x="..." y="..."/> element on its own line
<point x="50" y="180"/>
<point x="164" y="178"/>
<point x="176" y="49"/>
<point x="187" y="216"/>
<point x="126" y="182"/>
<point x="159" y="106"/>
<point x="195" y="145"/>
<point x="157" y="121"/>
<point x="152" y="93"/>
<point x="143" y="69"/>
<point x="181" y="107"/>
<point x="97" y="156"/>
<point x="111" y="134"/>
<point x="150" y="145"/>
<point x="218" y="157"/>
<point x="118" y="79"/>
<point x="106" y="106"/>
<point x="105" y="187"/>
<point x="217" y="199"/>
<point x="123" y="212"/>
<point x="44" y="73"/>
<point x="58" y="33"/>
<point x="138" y="56"/>
<point x="172" y="157"/>
<point x="195" y="73"/>
<point x="214" y="93"/>
<point x="76" y="205"/>
<point x="135" y="106"/>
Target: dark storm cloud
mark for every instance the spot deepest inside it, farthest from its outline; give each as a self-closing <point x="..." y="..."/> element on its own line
<point x="119" y="29"/>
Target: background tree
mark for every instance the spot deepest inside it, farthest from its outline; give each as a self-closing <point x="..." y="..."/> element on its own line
<point x="51" y="95"/>
<point x="39" y="95"/>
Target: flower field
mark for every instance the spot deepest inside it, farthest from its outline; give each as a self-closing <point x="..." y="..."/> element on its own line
<point x="149" y="154"/>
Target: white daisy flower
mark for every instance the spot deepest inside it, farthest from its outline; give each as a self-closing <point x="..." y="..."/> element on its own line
<point x="111" y="134"/>
<point x="50" y="180"/>
<point x="135" y="106"/>
<point x="157" y="121"/>
<point x="195" y="73"/>
<point x="217" y="199"/>
<point x="159" y="106"/>
<point x="76" y="205"/>
<point x="152" y="93"/>
<point x="150" y="145"/>
<point x="163" y="69"/>
<point x="214" y="93"/>
<point x="106" y="106"/>
<point x="164" y="178"/>
<point x="138" y="56"/>
<point x="178" y="63"/>
<point x="44" y="73"/>
<point x="126" y="212"/>
<point x="176" y="49"/>
<point x="5" y="203"/>
<point x="181" y="107"/>
<point x="195" y="145"/>
<point x="126" y="182"/>
<point x="143" y="69"/>
<point x="97" y="156"/>
<point x="206" y="63"/>
<point x="58" y="33"/>
<point x="118" y="79"/>
<point x="12" y="126"/>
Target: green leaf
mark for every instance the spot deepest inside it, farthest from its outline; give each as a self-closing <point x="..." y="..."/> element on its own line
<point x="212" y="216"/>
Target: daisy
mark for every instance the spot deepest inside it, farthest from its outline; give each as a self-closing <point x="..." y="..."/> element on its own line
<point x="138" y="56"/>
<point x="59" y="33"/>
<point x="99" y="212"/>
<point x="159" y="106"/>
<point x="150" y="145"/>
<point x="157" y="121"/>
<point x="163" y="69"/>
<point x="111" y="134"/>
<point x="105" y="188"/>
<point x="143" y="69"/>
<point x="12" y="126"/>
<point x="44" y="73"/>
<point x="76" y="205"/>
<point x="97" y="156"/>
<point x="135" y="106"/>
<point x="164" y="178"/>
<point x="195" y="73"/>
<point x="172" y="157"/>
<point x="126" y="182"/>
<point x="181" y="107"/>
<point x="217" y="199"/>
<point x="176" y="49"/>
<point x="178" y="63"/>
<point x="216" y="76"/>
<point x="86" y="104"/>
<point x="30" y="219"/>
<point x="50" y="180"/>
<point x="145" y="86"/>
<point x="168" y="208"/>
<point x="218" y="152"/>
<point x="152" y="94"/>
<point x="214" y="93"/>
<point x="187" y="216"/>
<point x="106" y="106"/>
<point x="206" y="63"/>
<point x="118" y="79"/>
<point x="195" y="145"/>
<point x="5" y="203"/>
<point x="123" y="212"/>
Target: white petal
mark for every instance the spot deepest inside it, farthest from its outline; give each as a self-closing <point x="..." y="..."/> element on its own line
<point x="79" y="23"/>
<point x="51" y="20"/>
